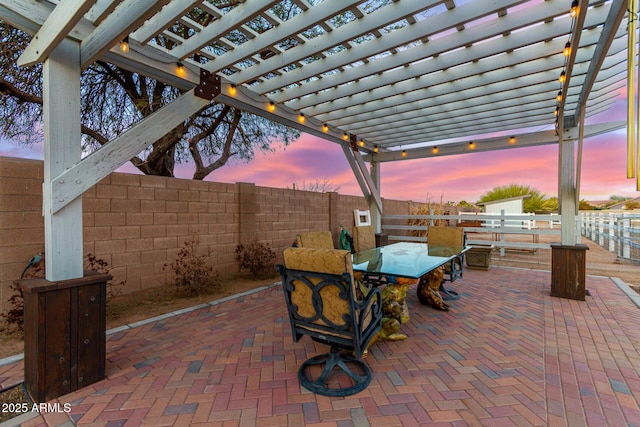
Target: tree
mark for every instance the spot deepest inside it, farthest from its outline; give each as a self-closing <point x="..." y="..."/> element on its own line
<point x="615" y="198"/>
<point x="534" y="203"/>
<point x="550" y="204"/>
<point x="114" y="99"/>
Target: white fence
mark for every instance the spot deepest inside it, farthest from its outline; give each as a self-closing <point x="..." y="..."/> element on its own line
<point x="618" y="232"/>
<point x="495" y="228"/>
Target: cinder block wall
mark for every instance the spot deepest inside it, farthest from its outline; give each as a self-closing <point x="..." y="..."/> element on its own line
<point x="139" y="223"/>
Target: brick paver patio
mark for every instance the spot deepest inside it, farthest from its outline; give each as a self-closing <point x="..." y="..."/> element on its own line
<point x="505" y="354"/>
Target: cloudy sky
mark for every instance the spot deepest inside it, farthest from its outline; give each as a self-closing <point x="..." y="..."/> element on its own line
<point x="452" y="178"/>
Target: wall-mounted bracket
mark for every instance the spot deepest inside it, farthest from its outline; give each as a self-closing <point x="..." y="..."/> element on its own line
<point x="210" y="85"/>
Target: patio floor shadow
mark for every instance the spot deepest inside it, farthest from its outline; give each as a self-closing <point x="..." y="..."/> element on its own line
<point x="506" y="353"/>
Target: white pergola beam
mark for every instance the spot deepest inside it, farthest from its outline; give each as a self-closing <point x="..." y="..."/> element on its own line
<point x="315" y="16"/>
<point x="59" y="23"/>
<point x="366" y="182"/>
<point x="248" y="101"/>
<point x="72" y="182"/>
<point x="496" y="76"/>
<point x="127" y="16"/>
<point x="368" y="23"/>
<point x="230" y="21"/>
<point x="426" y="27"/>
<point x="420" y="75"/>
<point x="609" y="34"/>
<point x="349" y="155"/>
<point x="162" y="20"/>
<point x="396" y="131"/>
<point x="491" y="144"/>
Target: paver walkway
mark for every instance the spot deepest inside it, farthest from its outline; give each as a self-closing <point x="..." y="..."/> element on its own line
<point x="505" y="354"/>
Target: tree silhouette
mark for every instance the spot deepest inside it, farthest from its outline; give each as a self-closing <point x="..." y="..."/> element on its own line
<point x="114" y="99"/>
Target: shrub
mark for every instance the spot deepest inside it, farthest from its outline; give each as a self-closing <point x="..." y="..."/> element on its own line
<point x="258" y="258"/>
<point x="94" y="263"/>
<point x="426" y="209"/>
<point x="191" y="274"/>
<point x="14" y="317"/>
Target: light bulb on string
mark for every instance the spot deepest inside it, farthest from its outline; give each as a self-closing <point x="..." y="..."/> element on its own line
<point x="124" y="45"/>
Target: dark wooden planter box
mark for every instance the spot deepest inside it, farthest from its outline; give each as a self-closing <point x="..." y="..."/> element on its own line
<point x="568" y="271"/>
<point x="65" y="334"/>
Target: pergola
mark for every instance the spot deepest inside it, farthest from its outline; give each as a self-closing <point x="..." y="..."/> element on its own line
<point x="387" y="80"/>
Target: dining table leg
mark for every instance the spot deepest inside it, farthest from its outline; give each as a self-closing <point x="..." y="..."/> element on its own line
<point x="395" y="311"/>
<point x="429" y="289"/>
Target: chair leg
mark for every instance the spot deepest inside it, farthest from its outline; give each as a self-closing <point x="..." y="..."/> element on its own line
<point x="339" y="361"/>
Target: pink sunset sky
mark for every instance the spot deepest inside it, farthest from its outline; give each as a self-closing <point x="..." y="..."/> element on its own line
<point x="452" y="178"/>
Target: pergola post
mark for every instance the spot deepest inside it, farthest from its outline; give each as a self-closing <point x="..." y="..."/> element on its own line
<point x="568" y="259"/>
<point x="567" y="191"/>
<point x="376" y="214"/>
<point x="62" y="149"/>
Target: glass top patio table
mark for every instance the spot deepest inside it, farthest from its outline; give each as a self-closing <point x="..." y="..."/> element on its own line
<point x="403" y="259"/>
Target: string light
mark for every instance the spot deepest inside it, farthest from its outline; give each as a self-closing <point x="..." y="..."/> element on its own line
<point x="404" y="153"/>
<point x="124" y="45"/>
<point x="345" y="136"/>
<point x="375" y="148"/>
<point x="559" y="96"/>
<point x="233" y="90"/>
<point x="567" y="49"/>
<point x="434" y="150"/>
<point x="512" y="140"/>
<point x="472" y="145"/>
<point x="361" y="142"/>
<point x="325" y="128"/>
<point x="180" y="69"/>
<point x="575" y="9"/>
<point x="563" y="77"/>
<point x="271" y="107"/>
<point x="301" y="118"/>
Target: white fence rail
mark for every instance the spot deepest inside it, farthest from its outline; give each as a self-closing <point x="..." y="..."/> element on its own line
<point x="616" y="231"/>
<point x="495" y="229"/>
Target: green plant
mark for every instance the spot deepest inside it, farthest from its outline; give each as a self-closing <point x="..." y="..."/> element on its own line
<point x="533" y="203"/>
<point x="258" y="258"/>
<point x="191" y="274"/>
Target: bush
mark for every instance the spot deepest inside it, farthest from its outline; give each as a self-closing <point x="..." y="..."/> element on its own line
<point x="191" y="274"/>
<point x="258" y="258"/>
<point x="93" y="263"/>
<point x="14" y="317"/>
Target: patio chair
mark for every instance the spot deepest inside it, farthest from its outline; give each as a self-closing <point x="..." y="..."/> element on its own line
<point x="448" y="241"/>
<point x="364" y="237"/>
<point x="324" y="303"/>
<point x="315" y="239"/>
